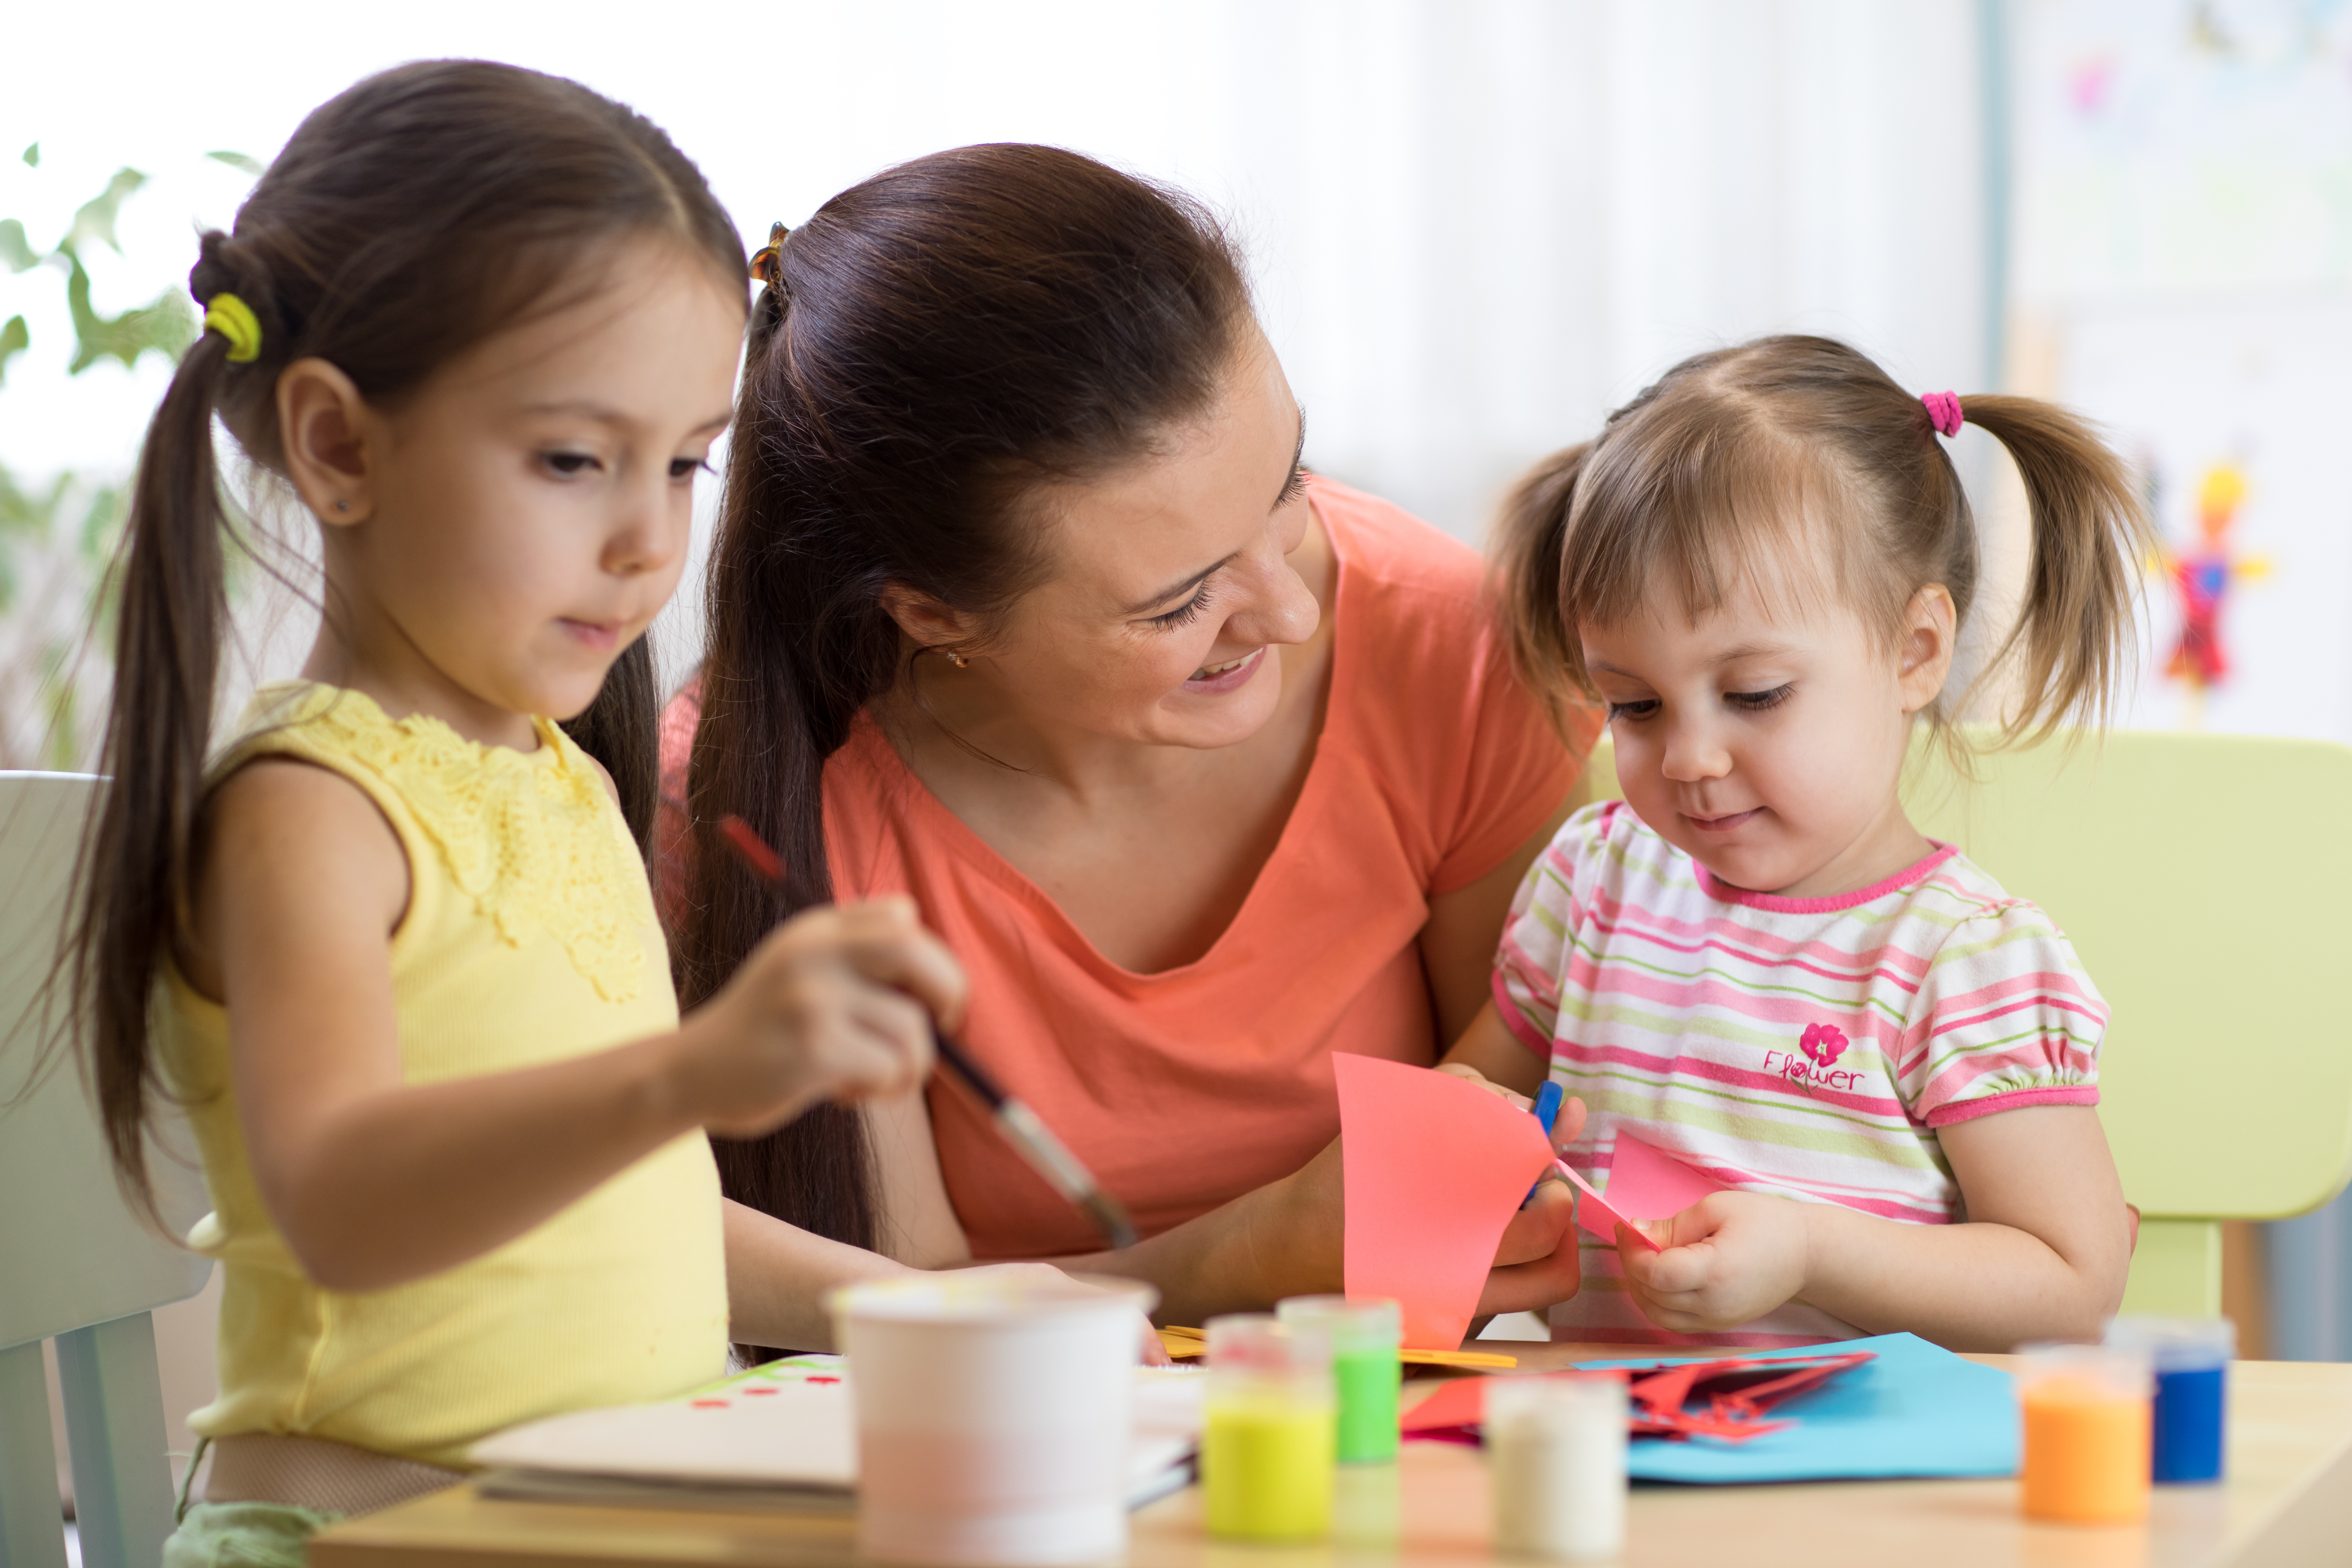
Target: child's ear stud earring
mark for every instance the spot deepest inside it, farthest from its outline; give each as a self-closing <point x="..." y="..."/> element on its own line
<point x="956" y="659"/>
<point x="342" y="506"/>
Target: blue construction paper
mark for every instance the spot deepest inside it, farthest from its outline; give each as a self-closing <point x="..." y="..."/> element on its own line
<point x="1917" y="1410"/>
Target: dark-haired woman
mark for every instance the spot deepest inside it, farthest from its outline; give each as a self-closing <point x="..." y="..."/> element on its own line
<point x="1206" y="767"/>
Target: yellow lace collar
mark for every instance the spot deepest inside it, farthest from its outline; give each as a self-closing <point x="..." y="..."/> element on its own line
<point x="533" y="838"/>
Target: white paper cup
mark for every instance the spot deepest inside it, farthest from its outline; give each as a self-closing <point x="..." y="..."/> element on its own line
<point x="993" y="1418"/>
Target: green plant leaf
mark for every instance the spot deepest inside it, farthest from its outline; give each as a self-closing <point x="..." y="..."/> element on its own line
<point x="14" y="338"/>
<point x="101" y="527"/>
<point x="244" y="161"/>
<point x="33" y="156"/>
<point x="166" y="327"/>
<point x="14" y="248"/>
<point x="95" y="218"/>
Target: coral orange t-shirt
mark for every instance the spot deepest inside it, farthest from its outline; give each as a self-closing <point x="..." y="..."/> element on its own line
<point x="1185" y="1088"/>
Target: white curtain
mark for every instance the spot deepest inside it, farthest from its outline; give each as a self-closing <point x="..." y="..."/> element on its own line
<point x="1477" y="225"/>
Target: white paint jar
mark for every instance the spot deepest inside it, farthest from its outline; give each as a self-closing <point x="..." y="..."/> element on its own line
<point x="1556" y="1462"/>
<point x="993" y="1417"/>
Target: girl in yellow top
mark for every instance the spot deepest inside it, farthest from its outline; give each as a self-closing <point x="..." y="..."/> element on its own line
<point x="408" y="980"/>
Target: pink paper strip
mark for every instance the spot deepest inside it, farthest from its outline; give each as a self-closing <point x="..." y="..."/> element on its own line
<point x="1644" y="1183"/>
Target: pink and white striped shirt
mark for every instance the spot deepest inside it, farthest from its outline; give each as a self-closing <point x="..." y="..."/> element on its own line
<point x="1808" y="1048"/>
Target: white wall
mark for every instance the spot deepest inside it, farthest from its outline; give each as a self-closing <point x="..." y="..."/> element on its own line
<point x="1477" y="225"/>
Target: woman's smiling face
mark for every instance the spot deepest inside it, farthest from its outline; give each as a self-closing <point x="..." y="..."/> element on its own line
<point x="1170" y="582"/>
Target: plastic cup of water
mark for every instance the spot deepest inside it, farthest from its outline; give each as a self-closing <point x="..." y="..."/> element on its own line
<point x="993" y="1415"/>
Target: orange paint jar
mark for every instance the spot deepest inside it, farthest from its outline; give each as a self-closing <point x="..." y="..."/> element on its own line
<point x="2088" y="1425"/>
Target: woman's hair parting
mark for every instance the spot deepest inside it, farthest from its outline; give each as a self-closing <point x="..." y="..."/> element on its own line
<point x="410" y="218"/>
<point x="1803" y="439"/>
<point x="932" y="345"/>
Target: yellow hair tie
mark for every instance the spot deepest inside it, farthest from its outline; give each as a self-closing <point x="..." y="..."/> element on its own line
<point x="233" y="318"/>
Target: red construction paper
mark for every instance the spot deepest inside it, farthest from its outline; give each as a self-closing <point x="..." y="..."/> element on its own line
<point x="1433" y="1167"/>
<point x="1457" y="1402"/>
<point x="1644" y="1183"/>
<point x="1725" y="1400"/>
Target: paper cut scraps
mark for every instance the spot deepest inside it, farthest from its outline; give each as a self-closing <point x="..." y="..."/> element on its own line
<point x="1724" y="1400"/>
<point x="1433" y="1167"/>
<point x="1915" y="1410"/>
<point x="1900" y="1407"/>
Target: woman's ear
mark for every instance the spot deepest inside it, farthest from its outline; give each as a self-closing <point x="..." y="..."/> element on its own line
<point x="927" y="622"/>
<point x="1926" y="652"/>
<point x="329" y="437"/>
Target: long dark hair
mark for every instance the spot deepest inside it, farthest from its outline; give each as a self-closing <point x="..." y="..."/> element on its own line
<point x="1733" y="449"/>
<point x="410" y="218"/>
<point x="934" y="342"/>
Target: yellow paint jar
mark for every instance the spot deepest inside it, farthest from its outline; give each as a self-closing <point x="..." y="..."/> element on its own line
<point x="1269" y="1440"/>
<point x="2088" y="1423"/>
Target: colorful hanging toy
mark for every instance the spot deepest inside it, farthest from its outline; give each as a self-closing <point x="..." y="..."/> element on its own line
<point x="2200" y="578"/>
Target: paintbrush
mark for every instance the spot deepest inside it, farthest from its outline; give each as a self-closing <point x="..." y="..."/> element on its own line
<point x="1030" y="1137"/>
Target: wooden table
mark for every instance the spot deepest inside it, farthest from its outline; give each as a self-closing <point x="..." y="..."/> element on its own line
<point x="2288" y="1500"/>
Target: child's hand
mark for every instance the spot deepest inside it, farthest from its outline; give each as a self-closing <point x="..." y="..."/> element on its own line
<point x="1537" y="1264"/>
<point x="1729" y="1258"/>
<point x="836" y="1004"/>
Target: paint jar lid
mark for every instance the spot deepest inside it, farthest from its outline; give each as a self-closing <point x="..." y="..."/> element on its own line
<point x="2068" y="1371"/>
<point x="2178" y="1345"/>
<point x="1256" y="1346"/>
<point x="1366" y="1323"/>
<point x="1554" y="1403"/>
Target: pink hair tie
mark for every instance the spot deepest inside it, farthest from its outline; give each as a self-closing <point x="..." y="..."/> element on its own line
<point x="1943" y="412"/>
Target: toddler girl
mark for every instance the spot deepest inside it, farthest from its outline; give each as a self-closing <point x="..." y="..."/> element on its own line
<point x="1755" y="962"/>
<point x="406" y="972"/>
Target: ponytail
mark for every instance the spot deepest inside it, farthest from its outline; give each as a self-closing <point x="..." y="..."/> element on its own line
<point x="2077" y="628"/>
<point x="137" y="870"/>
<point x="1530" y="545"/>
<point x="1731" y="451"/>
<point x="774" y="709"/>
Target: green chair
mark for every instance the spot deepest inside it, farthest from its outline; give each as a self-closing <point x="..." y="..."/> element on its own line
<point x="2195" y="875"/>
<point x="75" y="1265"/>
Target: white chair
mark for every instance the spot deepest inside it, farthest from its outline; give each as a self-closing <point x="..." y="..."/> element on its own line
<point x="74" y="1264"/>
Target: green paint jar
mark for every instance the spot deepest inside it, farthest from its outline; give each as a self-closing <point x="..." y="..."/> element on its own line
<point x="1365" y="1370"/>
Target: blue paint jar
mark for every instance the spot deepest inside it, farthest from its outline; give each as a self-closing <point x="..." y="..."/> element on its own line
<point x="2191" y="1359"/>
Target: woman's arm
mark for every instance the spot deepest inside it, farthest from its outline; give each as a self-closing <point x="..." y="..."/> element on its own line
<point x="778" y="1276"/>
<point x="374" y="1181"/>
<point x="919" y="1224"/>
<point x="2041" y="1255"/>
<point x="1284" y="1239"/>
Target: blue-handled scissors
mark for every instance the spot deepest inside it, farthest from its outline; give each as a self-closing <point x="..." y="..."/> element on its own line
<point x="1547" y="1110"/>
